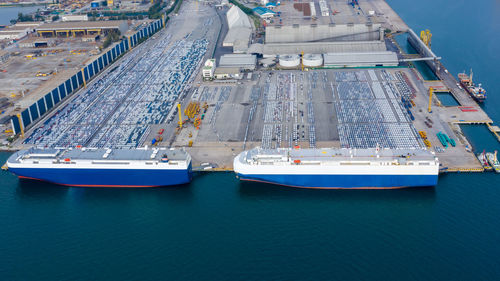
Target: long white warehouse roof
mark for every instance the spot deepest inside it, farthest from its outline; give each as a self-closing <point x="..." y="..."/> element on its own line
<point x="317" y="47"/>
<point x="361" y="59"/>
<point x="237" y="60"/>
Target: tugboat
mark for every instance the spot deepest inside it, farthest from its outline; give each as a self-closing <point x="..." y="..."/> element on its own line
<point x="492" y="159"/>
<point x="484" y="161"/>
<point x="476" y="92"/>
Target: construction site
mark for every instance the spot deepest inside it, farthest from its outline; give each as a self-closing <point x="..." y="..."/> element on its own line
<point x="324" y="74"/>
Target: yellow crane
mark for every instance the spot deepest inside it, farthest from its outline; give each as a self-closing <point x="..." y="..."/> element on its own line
<point x="192" y="109"/>
<point x="21" y="125"/>
<point x="426" y="36"/>
<point x="180" y="115"/>
<point x="431" y="90"/>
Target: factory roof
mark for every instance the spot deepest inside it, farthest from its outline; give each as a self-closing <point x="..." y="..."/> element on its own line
<point x="317" y="47"/>
<point x="240" y="46"/>
<point x="28" y="23"/>
<point x="15" y="28"/>
<point x="237" y="18"/>
<point x="238" y="34"/>
<point x="261" y="11"/>
<point x="82" y="25"/>
<point x="227" y="70"/>
<point x="322" y="32"/>
<point x="361" y="59"/>
<point x="237" y="60"/>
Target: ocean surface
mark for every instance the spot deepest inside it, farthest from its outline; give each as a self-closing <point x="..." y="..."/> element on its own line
<point x="10" y="13"/>
<point x="217" y="228"/>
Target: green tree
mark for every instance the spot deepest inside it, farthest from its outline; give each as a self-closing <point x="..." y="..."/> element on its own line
<point x="21" y="17"/>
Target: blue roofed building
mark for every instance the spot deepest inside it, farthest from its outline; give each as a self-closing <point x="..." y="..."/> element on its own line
<point x="264" y="12"/>
<point x="271" y="5"/>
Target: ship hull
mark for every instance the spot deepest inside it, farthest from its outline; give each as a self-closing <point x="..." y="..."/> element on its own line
<point x="344" y="181"/>
<point x="106" y="177"/>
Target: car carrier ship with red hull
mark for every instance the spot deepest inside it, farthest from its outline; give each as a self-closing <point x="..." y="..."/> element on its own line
<point x="93" y="167"/>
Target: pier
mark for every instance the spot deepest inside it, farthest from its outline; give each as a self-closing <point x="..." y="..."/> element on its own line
<point x="155" y="94"/>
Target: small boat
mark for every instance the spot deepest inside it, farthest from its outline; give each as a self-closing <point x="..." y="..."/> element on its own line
<point x="492" y="159"/>
<point x="484" y="161"/>
<point x="468" y="149"/>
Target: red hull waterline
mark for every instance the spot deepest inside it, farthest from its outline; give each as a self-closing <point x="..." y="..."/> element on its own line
<point x="82" y="185"/>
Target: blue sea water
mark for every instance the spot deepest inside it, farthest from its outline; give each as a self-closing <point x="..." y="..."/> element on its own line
<point x="447" y="99"/>
<point x="10" y="13"/>
<point x="217" y="228"/>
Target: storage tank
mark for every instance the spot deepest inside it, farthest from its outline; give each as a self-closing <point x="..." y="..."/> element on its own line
<point x="312" y="60"/>
<point x="289" y="61"/>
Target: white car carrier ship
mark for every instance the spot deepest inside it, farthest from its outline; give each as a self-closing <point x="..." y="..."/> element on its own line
<point x="103" y="167"/>
<point x="339" y="168"/>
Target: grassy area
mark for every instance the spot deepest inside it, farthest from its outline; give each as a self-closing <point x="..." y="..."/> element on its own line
<point x="178" y="6"/>
<point x="154" y="11"/>
<point x="244" y="8"/>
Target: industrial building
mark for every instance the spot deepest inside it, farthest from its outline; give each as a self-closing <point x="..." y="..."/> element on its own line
<point x="371" y="59"/>
<point x="274" y="49"/>
<point x="264" y="13"/>
<point x="323" y="32"/>
<point x="67" y="29"/>
<point x="37" y="42"/>
<point x="208" y="69"/>
<point x="240" y="61"/>
<point x="237" y="18"/>
<point x="75" y="18"/>
<point x="18" y="31"/>
<point x="240" y="30"/>
<point x="224" y="73"/>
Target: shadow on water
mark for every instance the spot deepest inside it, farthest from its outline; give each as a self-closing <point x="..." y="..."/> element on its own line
<point x="421" y="66"/>
<point x="27" y="189"/>
<point x="413" y="194"/>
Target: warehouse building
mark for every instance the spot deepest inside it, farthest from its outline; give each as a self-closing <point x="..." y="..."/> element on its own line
<point x="37" y="42"/>
<point x="18" y="31"/>
<point x="264" y="13"/>
<point x="208" y="69"/>
<point x="371" y="59"/>
<point x="75" y="18"/>
<point x="80" y="28"/>
<point x="237" y="18"/>
<point x="240" y="30"/>
<point x="240" y="61"/>
<point x="274" y="49"/>
<point x="324" y="32"/>
<point x="225" y="73"/>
